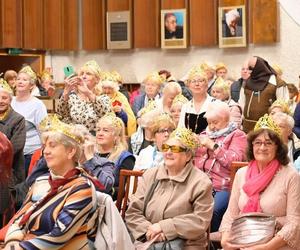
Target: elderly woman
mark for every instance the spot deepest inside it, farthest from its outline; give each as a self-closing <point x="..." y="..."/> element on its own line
<point x="168" y="215"/>
<point x="79" y="103"/>
<point x="221" y="144"/>
<point x="192" y="113"/>
<point x="221" y="91"/>
<point x="152" y="85"/>
<point x="267" y="185"/>
<point x="176" y="107"/>
<point x="279" y="106"/>
<point x="60" y="212"/>
<point x="120" y="104"/>
<point x="169" y="92"/>
<point x="6" y="160"/>
<point x="152" y="155"/>
<point x="286" y="123"/>
<point x="31" y="108"/>
<point x="111" y="144"/>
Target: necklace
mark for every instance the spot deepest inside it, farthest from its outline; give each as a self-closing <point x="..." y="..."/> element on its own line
<point x="4" y="115"/>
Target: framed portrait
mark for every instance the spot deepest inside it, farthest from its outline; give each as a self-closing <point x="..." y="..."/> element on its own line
<point x="232" y="26"/>
<point x="173" y="29"/>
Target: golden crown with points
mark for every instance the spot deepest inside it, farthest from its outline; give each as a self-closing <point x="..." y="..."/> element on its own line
<point x="52" y="124"/>
<point x="5" y="86"/>
<point x="151" y="105"/>
<point x="116" y="121"/>
<point x="266" y="122"/>
<point x="221" y="84"/>
<point x="46" y="74"/>
<point x="197" y="71"/>
<point x="283" y="105"/>
<point x="180" y="99"/>
<point x="107" y="76"/>
<point x="155" y="78"/>
<point x="28" y="70"/>
<point x="93" y="66"/>
<point x="186" y="137"/>
<point x="117" y="76"/>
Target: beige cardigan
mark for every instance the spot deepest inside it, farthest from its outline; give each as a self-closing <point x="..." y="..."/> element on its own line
<point x="181" y="204"/>
<point x="281" y="198"/>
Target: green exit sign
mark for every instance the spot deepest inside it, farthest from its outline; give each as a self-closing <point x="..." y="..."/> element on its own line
<point x="14" y="51"/>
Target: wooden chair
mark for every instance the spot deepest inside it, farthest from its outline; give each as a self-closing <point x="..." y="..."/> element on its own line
<point x="235" y="166"/>
<point x="49" y="103"/>
<point x="124" y="188"/>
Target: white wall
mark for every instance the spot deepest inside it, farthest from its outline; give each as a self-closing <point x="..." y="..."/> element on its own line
<point x="135" y="64"/>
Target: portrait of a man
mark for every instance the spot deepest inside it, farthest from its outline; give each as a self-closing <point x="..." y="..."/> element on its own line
<point x="232" y="23"/>
<point x="173" y="30"/>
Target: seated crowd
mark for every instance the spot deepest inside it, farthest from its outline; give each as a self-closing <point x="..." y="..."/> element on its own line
<point x="183" y="135"/>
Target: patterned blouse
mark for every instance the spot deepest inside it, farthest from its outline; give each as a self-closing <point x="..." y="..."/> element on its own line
<point x="78" y="111"/>
<point x="66" y="221"/>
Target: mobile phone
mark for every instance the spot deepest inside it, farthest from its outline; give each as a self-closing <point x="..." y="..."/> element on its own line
<point x="69" y="70"/>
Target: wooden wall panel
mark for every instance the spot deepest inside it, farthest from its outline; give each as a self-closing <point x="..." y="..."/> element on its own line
<point x="146" y="23"/>
<point x="70" y="24"/>
<point x="263" y="21"/>
<point x="203" y="22"/>
<point x="53" y="24"/>
<point x="224" y="3"/>
<point x="93" y="24"/>
<point x="33" y="24"/>
<point x="11" y="24"/>
<point x="118" y="5"/>
<point x="173" y="4"/>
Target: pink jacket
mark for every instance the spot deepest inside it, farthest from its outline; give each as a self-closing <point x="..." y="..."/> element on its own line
<point x="217" y="163"/>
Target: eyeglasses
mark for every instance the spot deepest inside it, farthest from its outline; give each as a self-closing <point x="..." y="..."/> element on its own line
<point x="267" y="144"/>
<point x="197" y="81"/>
<point x="166" y="130"/>
<point x="173" y="148"/>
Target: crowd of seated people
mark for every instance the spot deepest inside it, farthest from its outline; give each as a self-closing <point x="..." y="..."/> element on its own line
<point x="185" y="148"/>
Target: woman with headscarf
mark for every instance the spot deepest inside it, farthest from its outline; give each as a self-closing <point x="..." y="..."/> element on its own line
<point x="80" y="102"/>
<point x="261" y="90"/>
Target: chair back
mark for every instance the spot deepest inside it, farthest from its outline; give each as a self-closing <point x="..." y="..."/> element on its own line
<point x="235" y="166"/>
<point x="125" y="187"/>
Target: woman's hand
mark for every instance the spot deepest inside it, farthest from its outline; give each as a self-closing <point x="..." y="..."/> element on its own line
<point x="225" y="242"/>
<point x="89" y="148"/>
<point x="83" y="89"/>
<point x="205" y="141"/>
<point x="70" y="84"/>
<point x="117" y="108"/>
<point x="13" y="245"/>
<point x="257" y="247"/>
<point x="153" y="230"/>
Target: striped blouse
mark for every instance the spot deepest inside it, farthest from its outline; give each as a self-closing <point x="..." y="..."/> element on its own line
<point x="66" y="221"/>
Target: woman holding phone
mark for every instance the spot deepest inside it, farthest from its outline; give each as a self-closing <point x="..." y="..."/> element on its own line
<point x="79" y="102"/>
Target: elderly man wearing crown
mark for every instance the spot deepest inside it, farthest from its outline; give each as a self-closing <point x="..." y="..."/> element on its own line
<point x="268" y="185"/>
<point x="12" y="124"/>
<point x="80" y="102"/>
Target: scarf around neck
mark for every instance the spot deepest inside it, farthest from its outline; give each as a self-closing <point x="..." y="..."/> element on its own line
<point x="222" y="132"/>
<point x="256" y="182"/>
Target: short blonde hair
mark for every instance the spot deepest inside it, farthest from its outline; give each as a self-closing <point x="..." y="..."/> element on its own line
<point x="163" y="120"/>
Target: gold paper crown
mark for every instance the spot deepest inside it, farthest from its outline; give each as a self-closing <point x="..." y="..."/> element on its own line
<point x="107" y="76"/>
<point x="93" y="66"/>
<point x="277" y="69"/>
<point x="221" y="84"/>
<point x="186" y="137"/>
<point x="116" y="121"/>
<point x="28" y="70"/>
<point x="197" y="71"/>
<point x="164" y="117"/>
<point x="46" y="75"/>
<point x="5" y="86"/>
<point x="266" y="122"/>
<point x="151" y="105"/>
<point x="53" y="124"/>
<point x="155" y="78"/>
<point x="220" y="65"/>
<point x="205" y="66"/>
<point x="179" y="99"/>
<point x="117" y="76"/>
<point x="283" y="105"/>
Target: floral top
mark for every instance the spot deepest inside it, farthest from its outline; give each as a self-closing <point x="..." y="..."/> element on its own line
<point x="79" y="111"/>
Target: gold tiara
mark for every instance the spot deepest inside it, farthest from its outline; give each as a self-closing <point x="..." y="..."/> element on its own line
<point x="46" y="74"/>
<point x="221" y="84"/>
<point x="283" y="105"/>
<point x="28" y="70"/>
<point x="116" y="121"/>
<point x="266" y="122"/>
<point x="186" y="137"/>
<point x="117" y="76"/>
<point x="53" y="124"/>
<point x="151" y="105"/>
<point x="197" y="71"/>
<point x="5" y="86"/>
<point x="93" y="66"/>
<point x="180" y="99"/>
<point x="155" y="77"/>
<point x="107" y="76"/>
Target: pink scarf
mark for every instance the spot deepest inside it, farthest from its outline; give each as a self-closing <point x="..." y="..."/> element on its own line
<point x="256" y="182"/>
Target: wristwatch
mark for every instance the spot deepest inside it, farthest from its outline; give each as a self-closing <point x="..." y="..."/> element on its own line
<point x="216" y="145"/>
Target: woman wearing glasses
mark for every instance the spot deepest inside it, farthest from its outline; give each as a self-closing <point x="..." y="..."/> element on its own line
<point x="267" y="185"/>
<point x="182" y="205"/>
<point x="160" y="129"/>
<point x="192" y="112"/>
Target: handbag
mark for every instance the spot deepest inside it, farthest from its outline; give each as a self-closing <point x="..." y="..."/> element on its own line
<point x="252" y="228"/>
<point x="176" y="244"/>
